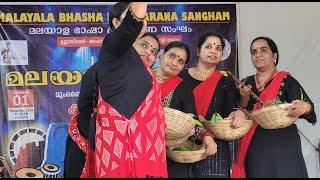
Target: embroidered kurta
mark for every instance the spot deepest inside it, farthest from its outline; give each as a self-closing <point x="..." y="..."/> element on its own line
<point x="276" y="153"/>
<point x="125" y="84"/>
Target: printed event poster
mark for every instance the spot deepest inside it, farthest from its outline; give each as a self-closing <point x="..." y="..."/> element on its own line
<point x="46" y="49"/>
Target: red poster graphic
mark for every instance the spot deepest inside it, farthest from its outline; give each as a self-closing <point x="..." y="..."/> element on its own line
<point x="21" y="104"/>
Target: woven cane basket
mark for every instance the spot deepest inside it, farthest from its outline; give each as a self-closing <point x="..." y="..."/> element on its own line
<point x="223" y="129"/>
<point x="173" y="143"/>
<point x="273" y="117"/>
<point x="187" y="156"/>
<point x="179" y="124"/>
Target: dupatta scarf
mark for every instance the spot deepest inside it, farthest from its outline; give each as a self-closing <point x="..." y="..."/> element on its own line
<point x="269" y="93"/>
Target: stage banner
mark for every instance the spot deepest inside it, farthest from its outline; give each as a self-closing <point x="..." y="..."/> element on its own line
<point x="46" y="49"/>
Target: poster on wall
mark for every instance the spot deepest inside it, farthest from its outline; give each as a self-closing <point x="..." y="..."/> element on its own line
<point x="46" y="49"/>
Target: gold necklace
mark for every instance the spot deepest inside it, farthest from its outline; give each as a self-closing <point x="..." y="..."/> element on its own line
<point x="158" y="77"/>
<point x="263" y="84"/>
<point x="199" y="76"/>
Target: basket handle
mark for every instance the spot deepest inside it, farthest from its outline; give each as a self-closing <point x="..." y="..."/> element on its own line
<point x="251" y="93"/>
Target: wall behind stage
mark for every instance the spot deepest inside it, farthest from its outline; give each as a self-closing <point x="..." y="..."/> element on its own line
<point x="295" y="29"/>
<point x="45" y="50"/>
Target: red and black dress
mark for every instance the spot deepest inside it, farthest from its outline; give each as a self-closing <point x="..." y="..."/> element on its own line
<point x="177" y="94"/>
<point x="273" y="153"/>
<point x="133" y="112"/>
<point x="217" y="94"/>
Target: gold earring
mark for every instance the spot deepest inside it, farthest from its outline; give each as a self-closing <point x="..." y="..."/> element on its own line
<point x="275" y="62"/>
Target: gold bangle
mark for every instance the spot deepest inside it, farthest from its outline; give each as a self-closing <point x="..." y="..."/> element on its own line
<point x="309" y="108"/>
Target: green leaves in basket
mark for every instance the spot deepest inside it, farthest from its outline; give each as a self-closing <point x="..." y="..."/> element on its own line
<point x="183" y="148"/>
<point x="277" y="101"/>
<point x="301" y="95"/>
<point x="215" y="117"/>
<point x="247" y="113"/>
<point x="192" y="115"/>
<point x="196" y="121"/>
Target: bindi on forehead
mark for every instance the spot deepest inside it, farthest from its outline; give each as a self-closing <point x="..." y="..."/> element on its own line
<point x="176" y="55"/>
<point x="260" y="47"/>
<point x="214" y="43"/>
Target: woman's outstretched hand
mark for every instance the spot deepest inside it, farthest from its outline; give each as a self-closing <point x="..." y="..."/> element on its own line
<point x="298" y="108"/>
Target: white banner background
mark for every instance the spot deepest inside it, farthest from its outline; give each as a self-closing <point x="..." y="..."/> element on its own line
<point x="295" y="27"/>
